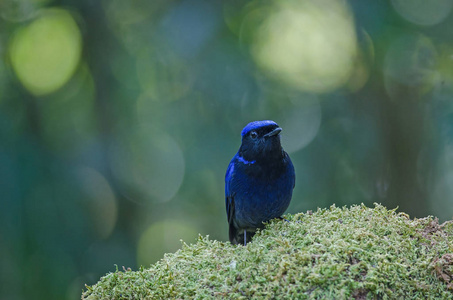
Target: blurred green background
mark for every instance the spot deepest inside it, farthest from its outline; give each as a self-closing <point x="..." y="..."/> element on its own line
<point x="118" y="120"/>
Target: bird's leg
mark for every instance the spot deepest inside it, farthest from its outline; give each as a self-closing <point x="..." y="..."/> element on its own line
<point x="283" y="219"/>
<point x="245" y="237"/>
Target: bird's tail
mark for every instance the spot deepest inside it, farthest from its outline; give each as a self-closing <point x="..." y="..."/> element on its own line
<point x="233" y="234"/>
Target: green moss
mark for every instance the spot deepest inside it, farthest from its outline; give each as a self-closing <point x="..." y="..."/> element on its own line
<point x="357" y="252"/>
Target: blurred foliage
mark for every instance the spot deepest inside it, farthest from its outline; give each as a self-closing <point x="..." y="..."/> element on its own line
<point x="118" y="120"/>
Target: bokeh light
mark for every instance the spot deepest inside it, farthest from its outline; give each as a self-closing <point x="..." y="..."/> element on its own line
<point x="162" y="237"/>
<point x="423" y="12"/>
<point x="301" y="125"/>
<point x="163" y="76"/>
<point x="184" y="31"/>
<point x="68" y="115"/>
<point x="445" y="69"/>
<point x="148" y="163"/>
<point x="99" y="201"/>
<point x="305" y="47"/>
<point x="363" y="63"/>
<point x="129" y="12"/>
<point x="126" y="19"/>
<point x="20" y="10"/>
<point x="46" y="52"/>
<point x="410" y="62"/>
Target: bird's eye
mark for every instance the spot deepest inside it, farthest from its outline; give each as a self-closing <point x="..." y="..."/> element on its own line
<point x="253" y="134"/>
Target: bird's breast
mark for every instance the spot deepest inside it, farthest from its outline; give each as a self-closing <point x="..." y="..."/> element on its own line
<point x="264" y="197"/>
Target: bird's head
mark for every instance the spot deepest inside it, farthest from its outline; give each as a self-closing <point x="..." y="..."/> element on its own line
<point x="260" y="140"/>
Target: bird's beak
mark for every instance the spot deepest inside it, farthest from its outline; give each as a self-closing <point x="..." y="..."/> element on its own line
<point x="276" y="131"/>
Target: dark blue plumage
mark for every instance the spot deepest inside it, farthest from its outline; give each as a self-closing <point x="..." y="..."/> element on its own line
<point x="259" y="181"/>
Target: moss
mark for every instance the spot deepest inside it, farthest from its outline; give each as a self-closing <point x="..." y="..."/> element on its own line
<point x="334" y="253"/>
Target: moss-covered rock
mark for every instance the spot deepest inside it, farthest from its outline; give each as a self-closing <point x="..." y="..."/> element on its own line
<point x="357" y="252"/>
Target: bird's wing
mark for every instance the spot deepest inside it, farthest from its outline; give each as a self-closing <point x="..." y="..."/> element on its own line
<point x="229" y="197"/>
<point x="229" y="202"/>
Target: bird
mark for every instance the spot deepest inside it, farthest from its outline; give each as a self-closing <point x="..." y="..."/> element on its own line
<point x="259" y="181"/>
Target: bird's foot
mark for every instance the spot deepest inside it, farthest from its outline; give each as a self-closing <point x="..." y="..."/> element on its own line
<point x="283" y="219"/>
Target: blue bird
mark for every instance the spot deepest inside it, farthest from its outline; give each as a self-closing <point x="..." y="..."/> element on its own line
<point x="259" y="181"/>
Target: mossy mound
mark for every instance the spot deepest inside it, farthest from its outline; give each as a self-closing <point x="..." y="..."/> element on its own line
<point x="335" y="253"/>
